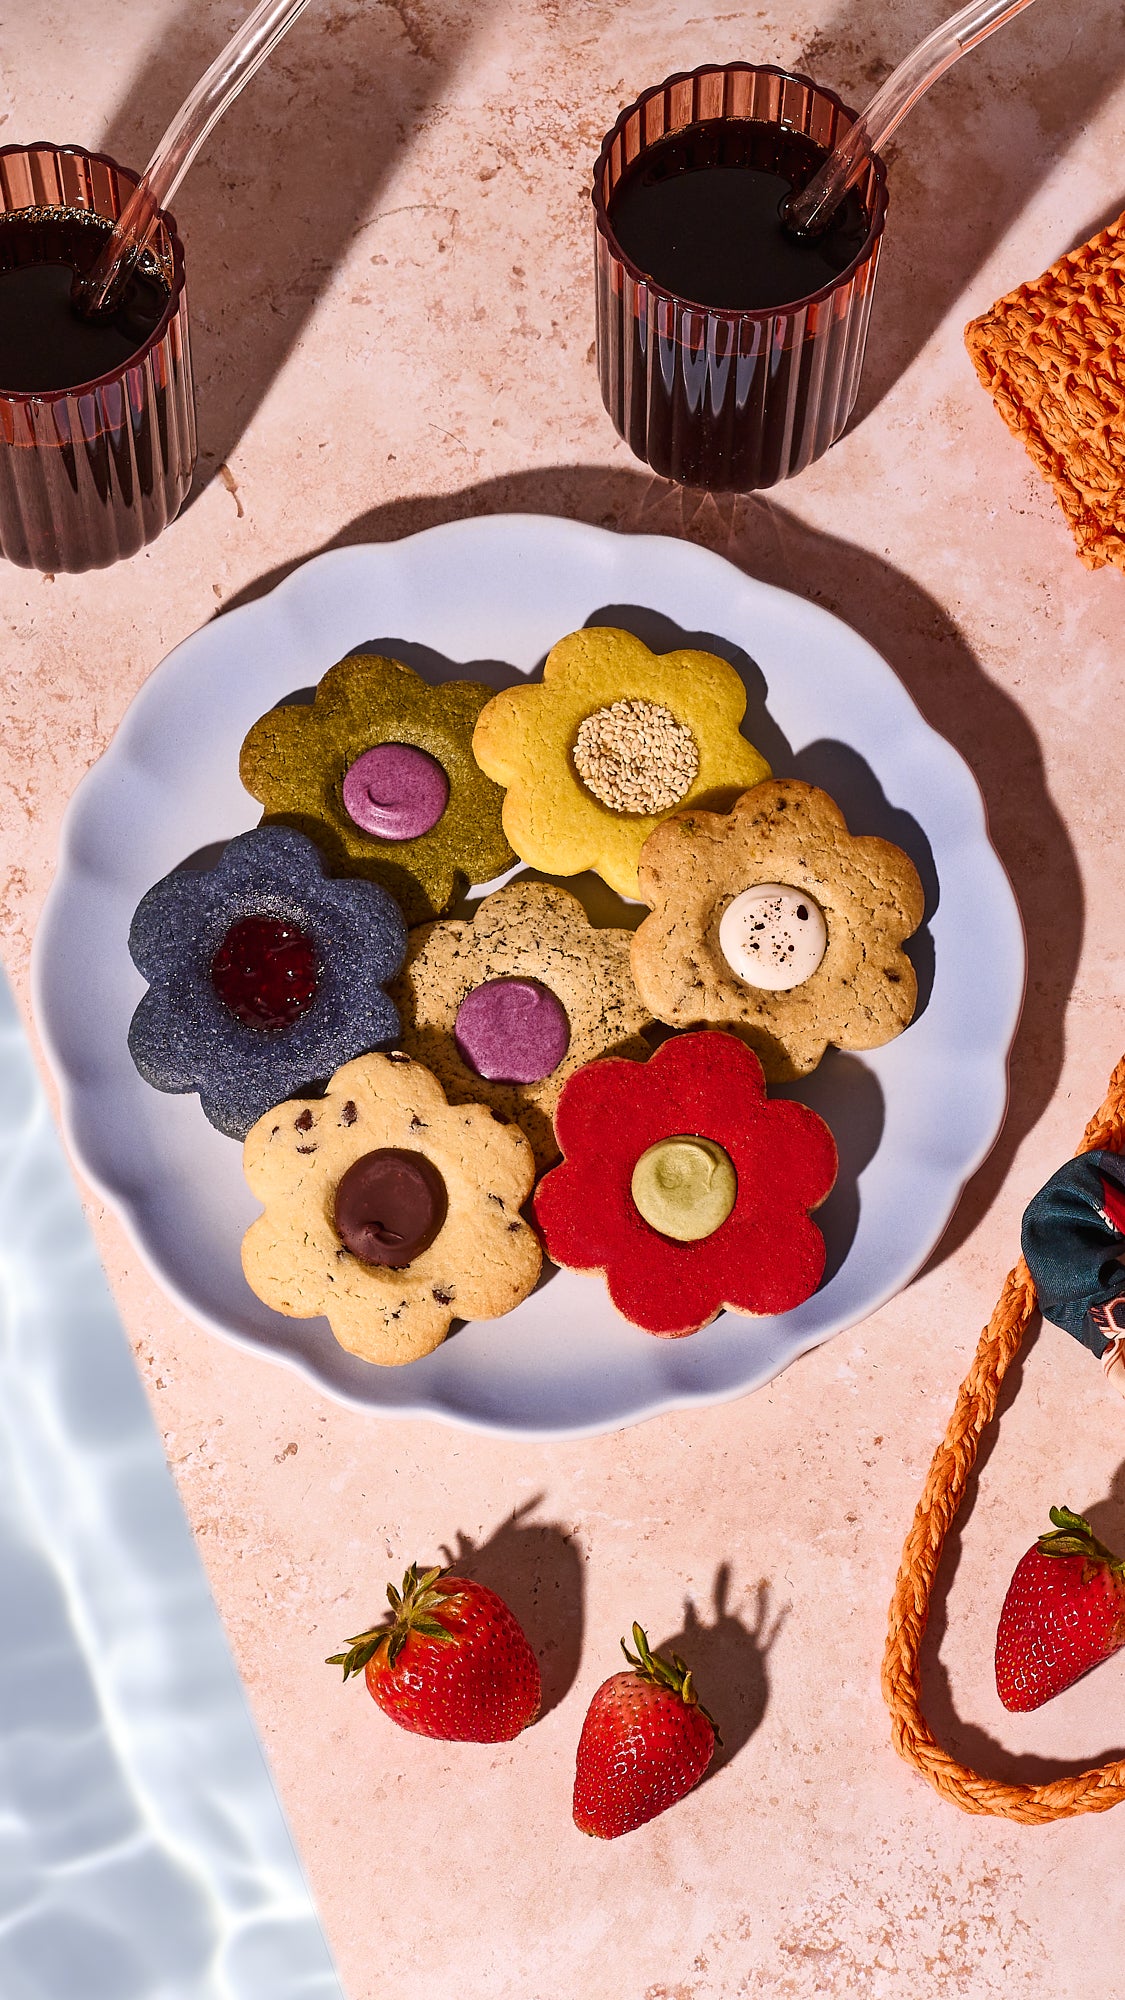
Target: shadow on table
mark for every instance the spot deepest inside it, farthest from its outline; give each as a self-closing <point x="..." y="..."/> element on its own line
<point x="931" y="656"/>
<point x="285" y="183"/>
<point x="728" y="1663"/>
<point x="969" y="158"/>
<point x="967" y="1741"/>
<point x="537" y="1568"/>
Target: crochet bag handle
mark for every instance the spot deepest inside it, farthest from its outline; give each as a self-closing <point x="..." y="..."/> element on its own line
<point x="1035" y="1805"/>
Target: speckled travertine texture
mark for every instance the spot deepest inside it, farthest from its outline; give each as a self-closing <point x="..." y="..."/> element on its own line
<point x="389" y="269"/>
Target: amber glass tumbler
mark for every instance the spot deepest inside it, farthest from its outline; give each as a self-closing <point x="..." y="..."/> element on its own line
<point x="719" y="399"/>
<point x="92" y="473"/>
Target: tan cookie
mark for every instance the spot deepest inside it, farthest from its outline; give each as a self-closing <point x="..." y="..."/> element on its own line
<point x="527" y="932"/>
<point x="481" y="1258"/>
<point x="612" y="740"/>
<point x="773" y="918"/>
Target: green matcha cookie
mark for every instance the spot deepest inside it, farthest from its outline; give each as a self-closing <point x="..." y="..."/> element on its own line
<point x="379" y="771"/>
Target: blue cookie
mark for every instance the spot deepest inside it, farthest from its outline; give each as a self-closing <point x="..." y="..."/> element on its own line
<point x="264" y="976"/>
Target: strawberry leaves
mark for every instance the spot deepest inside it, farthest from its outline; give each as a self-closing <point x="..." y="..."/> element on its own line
<point x="413" y="1611"/>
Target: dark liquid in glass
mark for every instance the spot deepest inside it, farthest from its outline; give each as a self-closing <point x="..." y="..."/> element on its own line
<point x="729" y="404"/>
<point x="700" y="214"/>
<point x="44" y="344"/>
<point x="97" y="433"/>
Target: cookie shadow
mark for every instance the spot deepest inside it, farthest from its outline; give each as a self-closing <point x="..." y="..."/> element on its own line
<point x="849" y="1097"/>
<point x="848" y="778"/>
<point x="538" y="1568"/>
<point x="436" y="667"/>
<point x="728" y="1659"/>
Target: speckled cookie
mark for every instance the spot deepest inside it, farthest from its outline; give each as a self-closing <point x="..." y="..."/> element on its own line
<point x="777" y="921"/>
<point x="264" y="976"/>
<point x="612" y="741"/>
<point x="466" y="1251"/>
<point x="527" y="991"/>
<point x="379" y="771"/>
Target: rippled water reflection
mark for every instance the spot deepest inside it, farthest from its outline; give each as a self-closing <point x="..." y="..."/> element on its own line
<point x="143" y="1852"/>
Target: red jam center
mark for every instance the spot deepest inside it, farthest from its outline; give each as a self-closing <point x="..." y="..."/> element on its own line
<point x="265" y="972"/>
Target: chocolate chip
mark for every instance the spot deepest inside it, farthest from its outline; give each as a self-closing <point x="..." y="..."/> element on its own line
<point x="418" y="1124"/>
<point x="306" y="1149"/>
<point x="349" y="1114"/>
<point x="303" y="1123"/>
<point x="443" y="1298"/>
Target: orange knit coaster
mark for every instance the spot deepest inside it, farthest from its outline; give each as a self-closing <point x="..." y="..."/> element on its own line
<point x="1051" y="357"/>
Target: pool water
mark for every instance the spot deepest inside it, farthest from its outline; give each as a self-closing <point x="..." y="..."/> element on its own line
<point x="143" y="1851"/>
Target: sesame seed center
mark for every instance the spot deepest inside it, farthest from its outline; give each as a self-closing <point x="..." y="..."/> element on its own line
<point x="635" y="757"/>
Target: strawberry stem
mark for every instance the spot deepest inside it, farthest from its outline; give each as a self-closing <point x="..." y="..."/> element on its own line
<point x="671" y="1674"/>
<point x="413" y="1609"/>
<point x="1073" y="1536"/>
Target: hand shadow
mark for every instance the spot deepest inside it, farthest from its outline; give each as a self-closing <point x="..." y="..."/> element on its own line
<point x="970" y="159"/>
<point x="925" y="647"/>
<point x="287" y="181"/>
<point x="537" y="1568"/>
<point x="969" y="1741"/>
<point x="728" y="1664"/>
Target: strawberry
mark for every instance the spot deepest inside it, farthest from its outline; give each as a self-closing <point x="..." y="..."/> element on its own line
<point x="1064" y="1612"/>
<point x="454" y="1662"/>
<point x="645" y="1742"/>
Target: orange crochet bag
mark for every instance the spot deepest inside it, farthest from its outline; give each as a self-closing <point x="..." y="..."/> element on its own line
<point x="1035" y="1805"/>
<point x="1052" y="357"/>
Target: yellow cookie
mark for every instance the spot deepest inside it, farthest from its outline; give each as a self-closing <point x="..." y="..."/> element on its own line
<point x="612" y="742"/>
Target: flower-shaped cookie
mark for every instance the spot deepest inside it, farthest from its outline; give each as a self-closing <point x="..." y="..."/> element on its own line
<point x="612" y="741"/>
<point x="775" y="919"/>
<point x="389" y="1210"/>
<point x="379" y="771"/>
<point x="504" y="1008"/>
<point x="686" y="1187"/>
<point x="263" y="976"/>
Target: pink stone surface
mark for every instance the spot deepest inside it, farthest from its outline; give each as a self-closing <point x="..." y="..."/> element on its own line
<point x="389" y="272"/>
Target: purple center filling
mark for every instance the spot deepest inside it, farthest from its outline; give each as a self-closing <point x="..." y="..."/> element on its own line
<point x="512" y="1030"/>
<point x="395" y="791"/>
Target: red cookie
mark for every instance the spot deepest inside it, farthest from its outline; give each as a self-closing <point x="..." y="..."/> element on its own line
<point x="767" y="1256"/>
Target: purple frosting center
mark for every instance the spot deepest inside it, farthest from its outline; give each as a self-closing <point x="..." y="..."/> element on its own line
<point x="395" y="791"/>
<point x="512" y="1030"/>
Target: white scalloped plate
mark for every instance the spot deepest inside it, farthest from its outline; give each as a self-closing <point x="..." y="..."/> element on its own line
<point x="489" y="597"/>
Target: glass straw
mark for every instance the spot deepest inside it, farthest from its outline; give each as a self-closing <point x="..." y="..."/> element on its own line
<point x="99" y="290"/>
<point x="811" y="210"/>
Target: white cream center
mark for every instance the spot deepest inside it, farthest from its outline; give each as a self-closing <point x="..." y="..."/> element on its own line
<point x="773" y="937"/>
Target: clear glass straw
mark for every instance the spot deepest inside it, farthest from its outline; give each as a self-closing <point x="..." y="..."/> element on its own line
<point x="99" y="290"/>
<point x="812" y="209"/>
